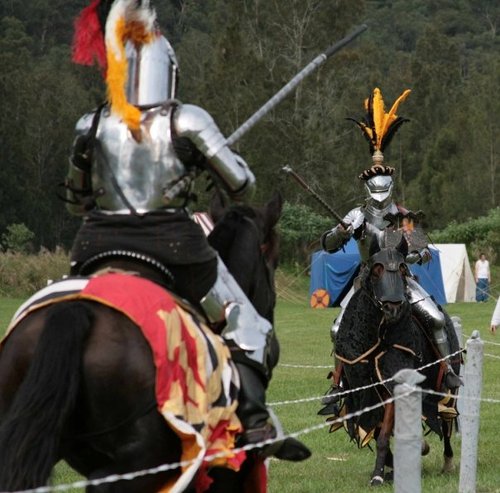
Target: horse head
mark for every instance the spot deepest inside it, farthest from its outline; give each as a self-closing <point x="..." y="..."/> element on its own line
<point x="386" y="274"/>
<point x="247" y="242"/>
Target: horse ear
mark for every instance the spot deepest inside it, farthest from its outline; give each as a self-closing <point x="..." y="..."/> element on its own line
<point x="218" y="206"/>
<point x="274" y="209"/>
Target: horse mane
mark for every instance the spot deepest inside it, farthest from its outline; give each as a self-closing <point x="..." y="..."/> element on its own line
<point x="230" y="225"/>
<point x="227" y="228"/>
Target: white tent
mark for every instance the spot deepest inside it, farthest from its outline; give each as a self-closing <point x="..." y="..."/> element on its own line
<point x="458" y="280"/>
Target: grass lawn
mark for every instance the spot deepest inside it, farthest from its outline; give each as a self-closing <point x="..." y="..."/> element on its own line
<point x="336" y="464"/>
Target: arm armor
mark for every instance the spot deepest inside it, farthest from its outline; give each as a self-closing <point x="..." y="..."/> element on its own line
<point x="78" y="180"/>
<point x="425" y="255"/>
<point x="420" y="257"/>
<point x="336" y="238"/>
<point x="229" y="169"/>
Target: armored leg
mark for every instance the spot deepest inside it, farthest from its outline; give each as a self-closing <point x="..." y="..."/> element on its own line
<point x="335" y="326"/>
<point x="432" y="319"/>
<point x="254" y="349"/>
<point x="331" y="397"/>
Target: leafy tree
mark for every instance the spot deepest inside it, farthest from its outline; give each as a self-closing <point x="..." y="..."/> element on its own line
<point x="18" y="239"/>
<point x="300" y="229"/>
<point x="233" y="57"/>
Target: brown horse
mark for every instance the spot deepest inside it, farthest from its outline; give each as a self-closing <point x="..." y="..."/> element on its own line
<point x="77" y="378"/>
<point x="379" y="335"/>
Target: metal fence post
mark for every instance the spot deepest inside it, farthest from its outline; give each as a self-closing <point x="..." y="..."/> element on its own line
<point x="470" y="415"/>
<point x="408" y="432"/>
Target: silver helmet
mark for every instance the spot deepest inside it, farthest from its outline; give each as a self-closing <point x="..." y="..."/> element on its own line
<point x="152" y="72"/>
<point x="379" y="188"/>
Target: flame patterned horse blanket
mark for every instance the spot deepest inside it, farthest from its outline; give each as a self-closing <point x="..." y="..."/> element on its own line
<point x="196" y="381"/>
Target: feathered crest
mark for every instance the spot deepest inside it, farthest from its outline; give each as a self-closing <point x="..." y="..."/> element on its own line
<point x="378" y="126"/>
<point x="101" y="32"/>
<point x="88" y="38"/>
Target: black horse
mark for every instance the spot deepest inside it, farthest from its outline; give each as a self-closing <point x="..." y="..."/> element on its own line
<point x="77" y="378"/>
<point x="378" y="336"/>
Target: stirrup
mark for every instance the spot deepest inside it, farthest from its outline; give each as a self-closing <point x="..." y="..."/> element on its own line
<point x="452" y="381"/>
<point x="288" y="448"/>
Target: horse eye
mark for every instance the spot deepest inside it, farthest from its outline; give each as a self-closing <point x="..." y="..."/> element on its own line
<point x="377" y="271"/>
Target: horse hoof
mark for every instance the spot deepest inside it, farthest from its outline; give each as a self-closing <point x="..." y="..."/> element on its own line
<point x="425" y="447"/>
<point x="377" y="481"/>
<point x="389" y="477"/>
<point x="448" y="465"/>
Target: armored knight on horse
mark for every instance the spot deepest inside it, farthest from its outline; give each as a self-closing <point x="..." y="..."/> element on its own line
<point x="131" y="173"/>
<point x="368" y="223"/>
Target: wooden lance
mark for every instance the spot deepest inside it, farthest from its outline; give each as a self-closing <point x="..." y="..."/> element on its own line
<point x="287" y="169"/>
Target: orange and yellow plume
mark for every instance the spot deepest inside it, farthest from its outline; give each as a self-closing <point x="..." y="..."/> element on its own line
<point x="378" y="126"/>
<point x="127" y="21"/>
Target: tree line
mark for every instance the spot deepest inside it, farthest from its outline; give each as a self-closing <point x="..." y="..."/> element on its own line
<point x="233" y="56"/>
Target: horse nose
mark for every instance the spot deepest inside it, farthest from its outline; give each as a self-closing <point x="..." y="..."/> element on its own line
<point x="391" y="309"/>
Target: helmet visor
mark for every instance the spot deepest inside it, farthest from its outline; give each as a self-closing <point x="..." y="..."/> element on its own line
<point x="380" y="187"/>
<point x="152" y="71"/>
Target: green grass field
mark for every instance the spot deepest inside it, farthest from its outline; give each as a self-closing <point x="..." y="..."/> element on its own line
<point x="337" y="465"/>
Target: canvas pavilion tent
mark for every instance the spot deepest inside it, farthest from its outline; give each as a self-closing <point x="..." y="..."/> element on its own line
<point x="334" y="272"/>
<point x="447" y="277"/>
<point x="458" y="279"/>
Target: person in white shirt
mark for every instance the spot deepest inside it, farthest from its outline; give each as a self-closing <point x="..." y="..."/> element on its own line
<point x="483" y="278"/>
<point x="495" y="318"/>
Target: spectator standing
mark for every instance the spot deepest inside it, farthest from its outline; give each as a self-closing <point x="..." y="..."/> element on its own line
<point x="482" y="277"/>
<point x="495" y="318"/>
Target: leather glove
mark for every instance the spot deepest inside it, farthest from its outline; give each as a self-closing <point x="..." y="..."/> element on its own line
<point x="343" y="232"/>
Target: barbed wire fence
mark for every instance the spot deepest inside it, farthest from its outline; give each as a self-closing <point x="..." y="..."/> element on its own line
<point x="407" y="400"/>
<point x="468" y="399"/>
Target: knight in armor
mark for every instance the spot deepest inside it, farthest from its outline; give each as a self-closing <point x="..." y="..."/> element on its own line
<point x="367" y="224"/>
<point x="131" y="172"/>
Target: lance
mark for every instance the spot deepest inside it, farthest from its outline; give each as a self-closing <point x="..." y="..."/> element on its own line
<point x="288" y="169"/>
<point x="290" y="86"/>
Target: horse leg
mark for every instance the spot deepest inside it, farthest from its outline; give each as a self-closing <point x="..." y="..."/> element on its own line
<point x="389" y="464"/>
<point x="145" y="444"/>
<point x="448" y="465"/>
<point x="425" y="447"/>
<point x="383" y="445"/>
<point x="248" y="479"/>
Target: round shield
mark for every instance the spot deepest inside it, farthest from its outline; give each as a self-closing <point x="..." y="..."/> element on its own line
<point x="320" y="299"/>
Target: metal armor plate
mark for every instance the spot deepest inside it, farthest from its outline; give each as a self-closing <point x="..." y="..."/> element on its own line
<point x="142" y="168"/>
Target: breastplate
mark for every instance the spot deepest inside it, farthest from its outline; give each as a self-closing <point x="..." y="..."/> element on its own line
<point x="374" y="227"/>
<point x="142" y="169"/>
